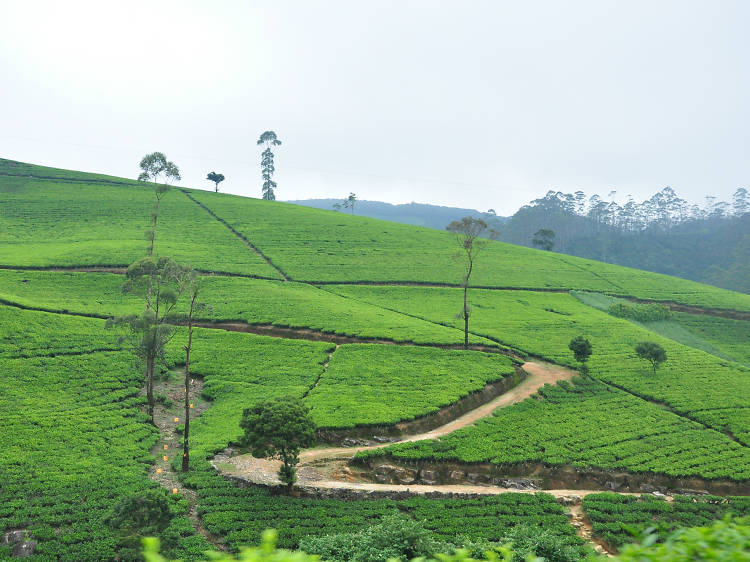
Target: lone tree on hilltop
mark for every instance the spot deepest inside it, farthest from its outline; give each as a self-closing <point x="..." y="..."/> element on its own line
<point x="544" y="239"/>
<point x="216" y="178"/>
<point x="268" y="139"/>
<point x="581" y="348"/>
<point x="468" y="231"/>
<point x="350" y="201"/>
<point x="278" y="429"/>
<point x="155" y="167"/>
<point x="651" y="352"/>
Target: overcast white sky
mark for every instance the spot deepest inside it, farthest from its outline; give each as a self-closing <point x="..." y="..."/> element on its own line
<point x="465" y="103"/>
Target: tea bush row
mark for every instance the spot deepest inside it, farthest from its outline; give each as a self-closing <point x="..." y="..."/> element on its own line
<point x="621" y="519"/>
<point x="691" y="382"/>
<point x="587" y="424"/>
<point x="336" y="247"/>
<point x="74" y="444"/>
<point x="385" y="384"/>
<point x="253" y="301"/>
<point x="57" y="223"/>
<point x="241" y="514"/>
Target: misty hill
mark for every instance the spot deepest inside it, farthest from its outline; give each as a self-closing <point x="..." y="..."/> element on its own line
<point x="710" y="245"/>
<point x="418" y="214"/>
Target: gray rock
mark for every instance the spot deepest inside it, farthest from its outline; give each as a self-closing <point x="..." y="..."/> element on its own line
<point x="428" y="476"/>
<point x="516" y="483"/>
<point x="405" y="475"/>
<point x="349" y="442"/>
<point x="569" y="500"/>
<point x="384" y="439"/>
<point x="13" y="536"/>
<point x="457" y="475"/>
<point x="24" y="549"/>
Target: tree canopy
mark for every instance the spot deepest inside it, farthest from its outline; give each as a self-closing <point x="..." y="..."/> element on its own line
<point x="155" y="167"/>
<point x="279" y="429"/>
<point x="216" y="178"/>
<point x="581" y="348"/>
<point x="651" y="352"/>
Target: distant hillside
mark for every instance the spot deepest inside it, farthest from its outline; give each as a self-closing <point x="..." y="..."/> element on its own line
<point x="418" y="214"/>
<point x="711" y="246"/>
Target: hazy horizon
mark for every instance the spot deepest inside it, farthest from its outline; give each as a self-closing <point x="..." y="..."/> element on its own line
<point x="474" y="105"/>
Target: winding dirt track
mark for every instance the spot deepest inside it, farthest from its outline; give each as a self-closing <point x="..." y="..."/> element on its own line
<point x="263" y="471"/>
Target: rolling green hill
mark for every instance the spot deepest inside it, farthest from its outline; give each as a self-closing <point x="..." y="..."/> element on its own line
<point x="359" y="317"/>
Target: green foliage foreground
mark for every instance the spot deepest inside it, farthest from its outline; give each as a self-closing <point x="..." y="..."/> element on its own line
<point x="725" y="540"/>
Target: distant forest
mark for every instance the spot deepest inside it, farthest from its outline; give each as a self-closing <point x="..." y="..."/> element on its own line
<point x="418" y="214"/>
<point x="665" y="234"/>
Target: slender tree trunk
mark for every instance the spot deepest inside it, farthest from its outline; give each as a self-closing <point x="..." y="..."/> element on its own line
<point x="151" y="362"/>
<point x="151" y="250"/>
<point x="150" y="387"/>
<point x="466" y="318"/>
<point x="186" y="445"/>
<point x="466" y="304"/>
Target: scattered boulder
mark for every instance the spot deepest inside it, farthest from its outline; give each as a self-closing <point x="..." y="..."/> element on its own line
<point x="516" y="483"/>
<point x="349" y="442"/>
<point x="13" y="536"/>
<point x="24" y="549"/>
<point x="569" y="500"/>
<point x="428" y="476"/>
<point x="475" y="478"/>
<point x="689" y="492"/>
<point x="384" y="439"/>
<point x="457" y="475"/>
<point x="405" y="475"/>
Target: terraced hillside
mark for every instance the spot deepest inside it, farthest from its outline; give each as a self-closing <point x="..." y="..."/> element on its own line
<point x="358" y="318"/>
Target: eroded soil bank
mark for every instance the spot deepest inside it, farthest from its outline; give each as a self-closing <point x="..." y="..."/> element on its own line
<point x="543" y="477"/>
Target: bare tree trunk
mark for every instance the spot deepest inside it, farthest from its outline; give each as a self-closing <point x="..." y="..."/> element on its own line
<point x="186" y="440"/>
<point x="150" y="387"/>
<point x="466" y="318"/>
<point x="466" y="304"/>
<point x="151" y="250"/>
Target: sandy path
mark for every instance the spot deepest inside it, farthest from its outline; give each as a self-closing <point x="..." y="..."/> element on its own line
<point x="263" y="471"/>
<point x="539" y="375"/>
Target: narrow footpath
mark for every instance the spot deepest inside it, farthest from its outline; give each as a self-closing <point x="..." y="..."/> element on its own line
<point x="169" y="413"/>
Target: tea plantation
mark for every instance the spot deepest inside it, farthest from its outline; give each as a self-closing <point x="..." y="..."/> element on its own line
<point x="362" y="325"/>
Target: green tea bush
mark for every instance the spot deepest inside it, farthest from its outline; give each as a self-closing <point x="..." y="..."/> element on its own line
<point x="576" y="424"/>
<point x="640" y="312"/>
<point x="619" y="519"/>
